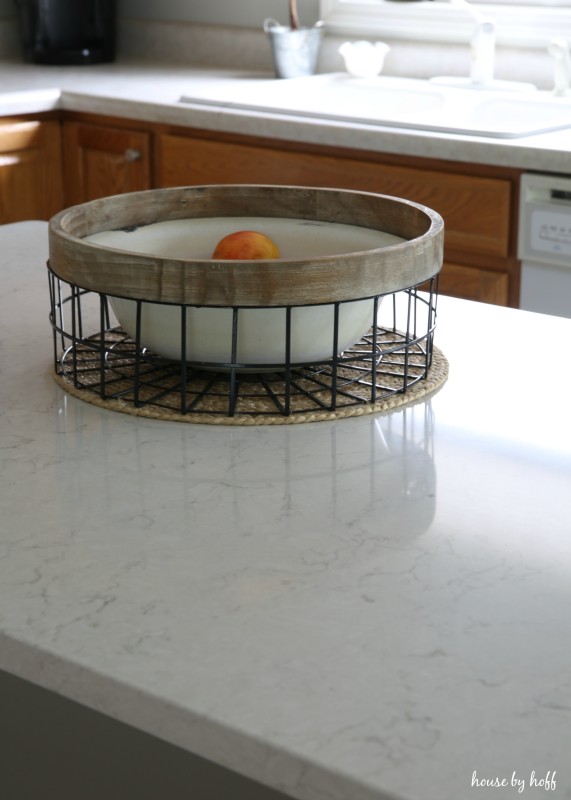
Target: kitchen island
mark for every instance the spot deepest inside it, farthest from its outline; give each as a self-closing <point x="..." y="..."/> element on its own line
<point x="370" y="608"/>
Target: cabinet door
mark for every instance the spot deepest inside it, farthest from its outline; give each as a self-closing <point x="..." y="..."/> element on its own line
<point x="476" y="210"/>
<point x="30" y="170"/>
<point x="101" y="160"/>
<point x="473" y="283"/>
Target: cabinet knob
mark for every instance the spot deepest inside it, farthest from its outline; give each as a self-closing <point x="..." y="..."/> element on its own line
<point x="131" y="155"/>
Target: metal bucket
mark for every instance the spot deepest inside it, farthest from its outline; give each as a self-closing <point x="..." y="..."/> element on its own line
<point x="294" y="51"/>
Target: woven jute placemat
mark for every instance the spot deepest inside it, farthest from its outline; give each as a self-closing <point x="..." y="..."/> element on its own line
<point x="254" y="410"/>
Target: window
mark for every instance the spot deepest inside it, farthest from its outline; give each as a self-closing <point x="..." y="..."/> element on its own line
<point x="520" y="23"/>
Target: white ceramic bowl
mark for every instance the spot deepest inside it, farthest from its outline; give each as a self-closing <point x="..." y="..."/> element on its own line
<point x="261" y="336"/>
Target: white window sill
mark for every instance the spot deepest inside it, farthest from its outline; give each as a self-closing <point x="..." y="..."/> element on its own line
<point x="522" y="26"/>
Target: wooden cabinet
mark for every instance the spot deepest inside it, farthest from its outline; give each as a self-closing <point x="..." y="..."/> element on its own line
<point x="474" y="283"/>
<point x="477" y="209"/>
<point x="30" y="169"/>
<point x="105" y="156"/>
<point x="102" y="160"/>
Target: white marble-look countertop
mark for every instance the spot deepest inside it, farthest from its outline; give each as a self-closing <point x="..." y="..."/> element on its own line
<point x="143" y="90"/>
<point x="374" y="608"/>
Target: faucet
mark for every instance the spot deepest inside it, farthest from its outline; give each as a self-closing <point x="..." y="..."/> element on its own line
<point x="559" y="50"/>
<point x="483" y="44"/>
<point x="483" y="47"/>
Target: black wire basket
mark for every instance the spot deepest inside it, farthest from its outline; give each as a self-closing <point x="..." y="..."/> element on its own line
<point x="94" y="354"/>
<point x="97" y="355"/>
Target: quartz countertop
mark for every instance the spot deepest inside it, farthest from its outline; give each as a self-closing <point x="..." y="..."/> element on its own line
<point x="373" y="608"/>
<point x="142" y="90"/>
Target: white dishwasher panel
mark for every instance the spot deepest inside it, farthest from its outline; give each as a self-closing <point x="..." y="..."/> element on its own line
<point x="544" y="244"/>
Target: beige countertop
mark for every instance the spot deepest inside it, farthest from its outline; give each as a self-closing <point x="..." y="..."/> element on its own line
<point x="141" y="90"/>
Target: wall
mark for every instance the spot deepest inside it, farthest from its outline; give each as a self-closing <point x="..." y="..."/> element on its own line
<point x="229" y="34"/>
<point x="246" y="13"/>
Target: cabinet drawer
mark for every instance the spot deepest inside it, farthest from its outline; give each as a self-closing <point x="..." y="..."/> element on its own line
<point x="30" y="170"/>
<point x="102" y="160"/>
<point x="476" y="210"/>
<point x="472" y="283"/>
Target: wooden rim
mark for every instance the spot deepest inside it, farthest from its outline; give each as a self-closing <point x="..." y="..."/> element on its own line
<point x="279" y="282"/>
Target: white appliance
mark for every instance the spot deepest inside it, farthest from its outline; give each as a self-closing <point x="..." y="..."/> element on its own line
<point x="544" y="244"/>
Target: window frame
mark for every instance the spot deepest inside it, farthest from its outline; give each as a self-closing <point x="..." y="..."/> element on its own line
<point x="437" y="21"/>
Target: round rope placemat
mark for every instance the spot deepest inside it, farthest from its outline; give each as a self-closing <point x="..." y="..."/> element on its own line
<point x="436" y="377"/>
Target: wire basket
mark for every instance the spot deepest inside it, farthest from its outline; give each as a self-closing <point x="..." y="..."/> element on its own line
<point x="94" y="354"/>
<point x="104" y="294"/>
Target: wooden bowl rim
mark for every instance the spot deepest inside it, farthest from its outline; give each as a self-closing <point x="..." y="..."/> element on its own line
<point x="263" y="283"/>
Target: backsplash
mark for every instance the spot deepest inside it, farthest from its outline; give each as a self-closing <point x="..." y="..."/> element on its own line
<point x="181" y="42"/>
<point x="9" y="38"/>
<point x="248" y="48"/>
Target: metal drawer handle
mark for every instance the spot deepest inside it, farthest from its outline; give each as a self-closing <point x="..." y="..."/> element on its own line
<point x="132" y="155"/>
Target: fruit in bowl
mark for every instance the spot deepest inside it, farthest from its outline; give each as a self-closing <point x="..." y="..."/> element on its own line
<point x="246" y="246"/>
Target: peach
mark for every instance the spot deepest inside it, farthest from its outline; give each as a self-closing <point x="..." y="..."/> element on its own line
<point x="246" y="246"/>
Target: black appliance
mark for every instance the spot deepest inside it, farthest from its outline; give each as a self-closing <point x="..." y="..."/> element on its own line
<point x="67" y="31"/>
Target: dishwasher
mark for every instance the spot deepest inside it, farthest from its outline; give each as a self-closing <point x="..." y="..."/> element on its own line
<point x="544" y="244"/>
